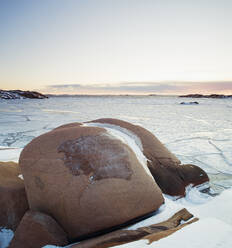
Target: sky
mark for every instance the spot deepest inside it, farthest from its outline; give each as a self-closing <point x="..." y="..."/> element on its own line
<point x="116" y="46"/>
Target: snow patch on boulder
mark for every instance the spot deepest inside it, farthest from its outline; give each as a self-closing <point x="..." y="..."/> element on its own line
<point x="128" y="138"/>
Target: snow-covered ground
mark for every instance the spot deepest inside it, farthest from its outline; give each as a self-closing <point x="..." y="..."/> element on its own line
<point x="199" y="134"/>
<point x="214" y="228"/>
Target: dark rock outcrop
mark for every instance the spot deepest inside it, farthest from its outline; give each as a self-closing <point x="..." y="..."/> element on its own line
<point x="13" y="200"/>
<point x="87" y="179"/>
<point x="20" y="94"/>
<point x="189" y="103"/>
<point x="37" y="230"/>
<point x="218" y="96"/>
<point x="168" y="172"/>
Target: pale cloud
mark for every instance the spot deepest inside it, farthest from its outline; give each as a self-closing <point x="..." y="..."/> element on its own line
<point x="125" y="87"/>
<point x="141" y="88"/>
<point x="63" y="86"/>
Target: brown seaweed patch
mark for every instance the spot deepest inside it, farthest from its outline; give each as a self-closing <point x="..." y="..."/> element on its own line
<point x="98" y="157"/>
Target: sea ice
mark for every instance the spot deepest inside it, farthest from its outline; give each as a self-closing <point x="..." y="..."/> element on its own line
<point x="5" y="237"/>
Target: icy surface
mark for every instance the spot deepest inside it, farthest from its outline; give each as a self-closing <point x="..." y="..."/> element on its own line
<point x="9" y="154"/>
<point x="5" y="237"/>
<point x="21" y="176"/>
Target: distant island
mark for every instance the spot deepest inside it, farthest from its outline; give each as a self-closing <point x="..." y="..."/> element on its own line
<point x="218" y="96"/>
<point x="20" y="94"/>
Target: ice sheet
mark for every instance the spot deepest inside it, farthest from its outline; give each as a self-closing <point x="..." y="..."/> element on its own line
<point x="5" y="237"/>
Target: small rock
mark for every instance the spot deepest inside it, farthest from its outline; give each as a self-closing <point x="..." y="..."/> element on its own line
<point x="13" y="200"/>
<point x="189" y="103"/>
<point x="37" y="230"/>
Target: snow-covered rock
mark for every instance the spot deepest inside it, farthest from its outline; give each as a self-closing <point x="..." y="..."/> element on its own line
<point x="20" y="94"/>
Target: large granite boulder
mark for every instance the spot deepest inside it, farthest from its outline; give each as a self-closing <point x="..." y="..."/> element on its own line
<point x="88" y="179"/>
<point x="37" y="230"/>
<point x="168" y="172"/>
<point x="13" y="200"/>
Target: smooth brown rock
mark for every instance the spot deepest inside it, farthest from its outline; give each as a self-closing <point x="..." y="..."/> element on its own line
<point x="13" y="200"/>
<point x="87" y="180"/>
<point x="152" y="232"/>
<point x="165" y="167"/>
<point x="37" y="230"/>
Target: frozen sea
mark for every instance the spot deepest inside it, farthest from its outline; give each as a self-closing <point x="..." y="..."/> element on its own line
<point x="198" y="134"/>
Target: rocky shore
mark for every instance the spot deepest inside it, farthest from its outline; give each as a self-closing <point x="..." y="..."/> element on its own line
<point x="20" y="94"/>
<point x="217" y="96"/>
